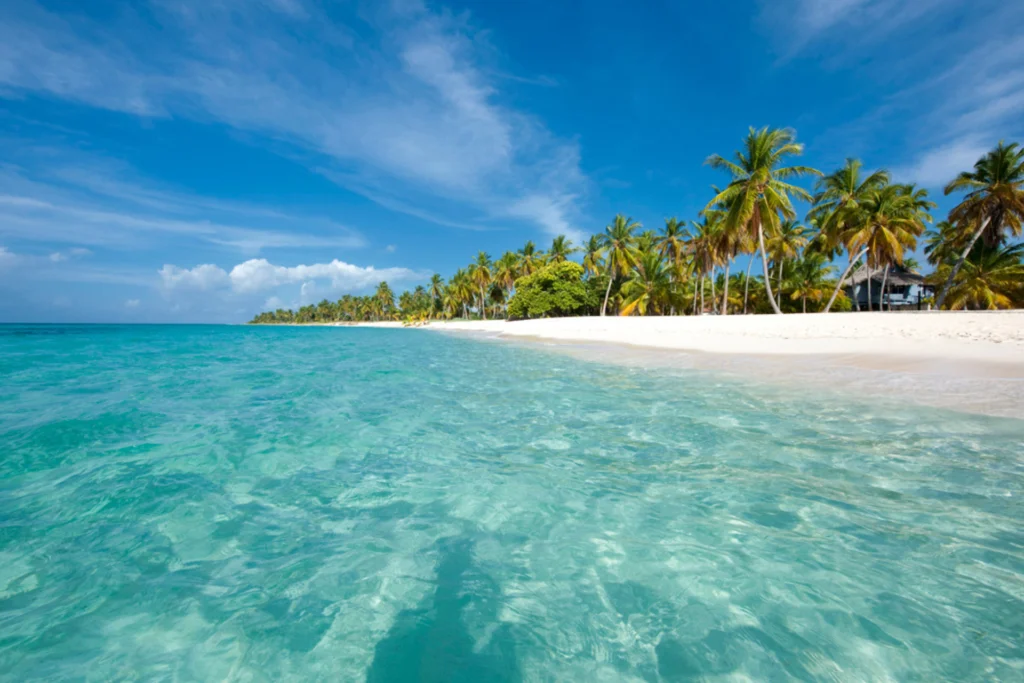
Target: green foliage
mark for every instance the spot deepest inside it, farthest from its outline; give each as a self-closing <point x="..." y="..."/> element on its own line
<point x="553" y="291"/>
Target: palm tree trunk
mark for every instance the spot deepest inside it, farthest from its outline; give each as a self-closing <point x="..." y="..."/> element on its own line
<point x="782" y="264"/>
<point x="714" y="296"/>
<point x="746" y="283"/>
<point x="608" y="291"/>
<point x="764" y="264"/>
<point x="881" y="295"/>
<point x="839" y="284"/>
<point x="725" y="289"/>
<point x="959" y="264"/>
<point x="483" y="303"/>
<point x="695" y="299"/>
<point x="867" y="270"/>
<point x="804" y="298"/>
<point x="702" y="294"/>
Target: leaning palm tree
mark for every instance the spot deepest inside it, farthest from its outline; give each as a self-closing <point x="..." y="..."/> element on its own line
<point x="618" y="243"/>
<point x="837" y="195"/>
<point x="592" y="255"/>
<point x="481" y="277"/>
<point x="561" y="249"/>
<point x="506" y="271"/>
<point x="993" y="205"/>
<point x="649" y="287"/>
<point x="990" y="278"/>
<point x="530" y="259"/>
<point x="758" y="194"/>
<point x="885" y="225"/>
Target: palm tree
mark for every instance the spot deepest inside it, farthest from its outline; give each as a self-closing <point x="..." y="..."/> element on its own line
<point x="530" y="259"/>
<point x="618" y="243"/>
<point x="506" y="272"/>
<point x="837" y="194"/>
<point x="994" y="203"/>
<point x="561" y="249"/>
<point x="785" y="244"/>
<point x="885" y="224"/>
<point x="990" y="277"/>
<point x="649" y="286"/>
<point x="758" y="194"/>
<point x="703" y="245"/>
<point x="672" y="246"/>
<point x="384" y="299"/>
<point x="481" y="276"/>
<point x="809" y="278"/>
<point x="436" y="291"/>
<point x="940" y="243"/>
<point x="592" y="254"/>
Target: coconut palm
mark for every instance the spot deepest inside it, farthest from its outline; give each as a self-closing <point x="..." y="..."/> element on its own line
<point x="703" y="248"/>
<point x="561" y="249"/>
<point x="480" y="274"/>
<point x="990" y="277"/>
<point x="759" y="194"/>
<point x="592" y="255"/>
<point x="837" y="195"/>
<point x="649" y="287"/>
<point x="384" y="300"/>
<point x="941" y="243"/>
<point x="530" y="259"/>
<point x="619" y="244"/>
<point x="809" y="279"/>
<point x="993" y="206"/>
<point x="885" y="225"/>
<point x="436" y="291"/>
<point x="672" y="247"/>
<point x="785" y="244"/>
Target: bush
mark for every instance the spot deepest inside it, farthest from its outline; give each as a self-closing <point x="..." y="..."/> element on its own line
<point x="553" y="291"/>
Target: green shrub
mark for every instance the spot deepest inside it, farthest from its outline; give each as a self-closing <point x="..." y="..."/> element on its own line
<point x="553" y="291"/>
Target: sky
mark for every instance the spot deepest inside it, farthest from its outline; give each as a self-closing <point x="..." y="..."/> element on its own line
<point x="178" y="161"/>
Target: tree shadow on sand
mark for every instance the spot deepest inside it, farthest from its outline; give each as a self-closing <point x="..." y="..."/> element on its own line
<point x="431" y="642"/>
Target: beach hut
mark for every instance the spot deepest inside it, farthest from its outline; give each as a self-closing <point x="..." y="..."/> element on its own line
<point x="904" y="289"/>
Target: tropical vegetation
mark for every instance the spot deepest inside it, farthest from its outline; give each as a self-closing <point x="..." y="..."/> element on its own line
<point x="861" y="218"/>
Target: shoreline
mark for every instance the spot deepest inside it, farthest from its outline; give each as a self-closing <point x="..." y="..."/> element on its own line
<point x="965" y="361"/>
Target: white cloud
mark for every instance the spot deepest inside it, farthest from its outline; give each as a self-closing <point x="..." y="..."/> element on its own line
<point x="204" y="277"/>
<point x="131" y="303"/>
<point x="57" y="257"/>
<point x="412" y="114"/>
<point x="938" y="166"/>
<point x="259" y="275"/>
<point x="390" y="248"/>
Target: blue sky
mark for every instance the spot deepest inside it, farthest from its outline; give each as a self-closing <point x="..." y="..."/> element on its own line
<point x="198" y="161"/>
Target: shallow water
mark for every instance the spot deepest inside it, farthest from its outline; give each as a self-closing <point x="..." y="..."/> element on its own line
<point x="226" y="503"/>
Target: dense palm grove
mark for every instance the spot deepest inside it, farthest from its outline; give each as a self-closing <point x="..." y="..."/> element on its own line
<point x="685" y="268"/>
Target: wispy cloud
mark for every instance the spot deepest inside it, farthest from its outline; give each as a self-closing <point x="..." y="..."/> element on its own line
<point x="951" y="81"/>
<point x="85" y="202"/>
<point x="413" y="114"/>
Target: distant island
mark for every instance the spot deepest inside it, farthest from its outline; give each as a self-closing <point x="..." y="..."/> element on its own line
<point x="686" y="267"/>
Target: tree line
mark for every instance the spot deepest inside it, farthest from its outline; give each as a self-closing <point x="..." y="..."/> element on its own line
<point x="685" y="268"/>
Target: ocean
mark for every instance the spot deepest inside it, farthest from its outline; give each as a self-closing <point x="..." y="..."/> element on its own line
<point x="220" y="503"/>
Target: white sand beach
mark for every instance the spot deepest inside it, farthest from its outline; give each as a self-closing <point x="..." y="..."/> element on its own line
<point x="971" y="361"/>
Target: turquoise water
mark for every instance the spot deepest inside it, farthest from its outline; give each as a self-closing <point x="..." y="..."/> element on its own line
<point x="273" y="504"/>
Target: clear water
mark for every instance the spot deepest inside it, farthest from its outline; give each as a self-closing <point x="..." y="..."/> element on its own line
<point x="218" y="503"/>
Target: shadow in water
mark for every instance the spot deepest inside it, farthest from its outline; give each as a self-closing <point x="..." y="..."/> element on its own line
<point x="432" y="643"/>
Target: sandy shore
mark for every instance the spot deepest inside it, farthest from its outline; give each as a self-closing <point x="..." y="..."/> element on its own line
<point x="971" y="361"/>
